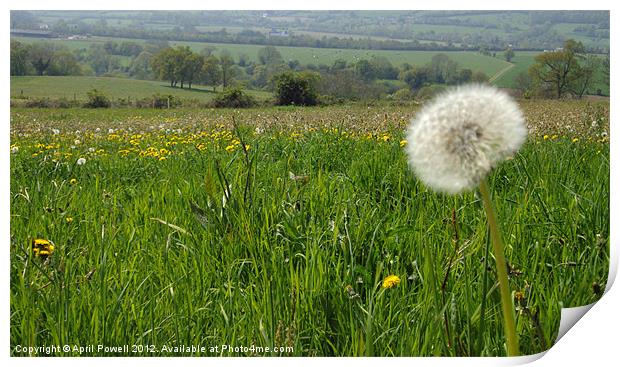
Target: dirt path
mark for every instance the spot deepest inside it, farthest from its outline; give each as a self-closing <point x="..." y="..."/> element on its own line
<point x="500" y="73"/>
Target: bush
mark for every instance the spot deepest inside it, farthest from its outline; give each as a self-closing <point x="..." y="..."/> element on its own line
<point x="430" y="91"/>
<point x="45" y="103"/>
<point x="296" y="89"/>
<point x="96" y="99"/>
<point x="234" y="98"/>
<point x="404" y="94"/>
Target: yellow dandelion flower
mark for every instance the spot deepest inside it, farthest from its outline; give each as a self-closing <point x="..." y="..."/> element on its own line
<point x="162" y="158"/>
<point x="403" y="143"/>
<point x="73" y="181"/>
<point x="554" y="137"/>
<point x="230" y="148"/>
<point x="545" y="137"/>
<point x="575" y="140"/>
<point x="69" y="220"/>
<point x="42" y="247"/>
<point x="390" y="281"/>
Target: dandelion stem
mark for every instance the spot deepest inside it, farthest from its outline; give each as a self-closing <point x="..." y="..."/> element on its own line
<point x="502" y="273"/>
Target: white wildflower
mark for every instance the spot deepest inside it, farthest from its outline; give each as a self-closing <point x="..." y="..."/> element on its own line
<point x="97" y="130"/>
<point x="91" y="150"/>
<point x="110" y="131"/>
<point x="81" y="161"/>
<point x="55" y="131"/>
<point x="462" y="134"/>
<point x="14" y="149"/>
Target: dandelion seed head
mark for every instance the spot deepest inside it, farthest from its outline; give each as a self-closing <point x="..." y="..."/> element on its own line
<point x="454" y="141"/>
<point x="81" y="161"/>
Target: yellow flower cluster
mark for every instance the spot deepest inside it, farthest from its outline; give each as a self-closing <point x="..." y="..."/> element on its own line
<point x="42" y="247"/>
<point x="390" y="281"/>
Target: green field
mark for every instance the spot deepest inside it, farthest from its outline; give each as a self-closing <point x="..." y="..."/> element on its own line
<point x="170" y="235"/>
<point x="522" y="62"/>
<point x="308" y="55"/>
<point x="71" y="87"/>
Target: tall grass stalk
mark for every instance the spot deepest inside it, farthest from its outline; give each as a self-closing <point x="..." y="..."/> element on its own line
<point x="510" y="329"/>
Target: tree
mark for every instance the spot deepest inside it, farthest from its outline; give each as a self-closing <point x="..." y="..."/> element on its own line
<point x="19" y="58"/>
<point x="383" y="68"/>
<point x="191" y="67"/>
<point x="180" y="57"/>
<point x="416" y="78"/>
<point x="365" y="70"/>
<point x="164" y="65"/>
<point x="296" y="88"/>
<point x="584" y="75"/>
<point x="140" y="67"/>
<point x="207" y="51"/>
<point x="558" y="70"/>
<point x="464" y="76"/>
<point x="226" y="63"/>
<point x="128" y="48"/>
<point x="100" y="61"/>
<point x="40" y="57"/>
<point x="442" y="68"/>
<point x="509" y="54"/>
<point x="605" y="69"/>
<point x="64" y="63"/>
<point x="244" y="60"/>
<point x="523" y="83"/>
<point x="211" y="72"/>
<point x="269" y="56"/>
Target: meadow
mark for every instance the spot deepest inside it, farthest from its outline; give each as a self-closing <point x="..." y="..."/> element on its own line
<point x="77" y="87"/>
<point x="177" y="227"/>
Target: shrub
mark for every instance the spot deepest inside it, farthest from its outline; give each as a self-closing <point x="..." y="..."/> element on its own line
<point x="97" y="99"/>
<point x="234" y="98"/>
<point x="430" y="91"/>
<point x="44" y="103"/>
<point x="404" y="94"/>
<point x="296" y="89"/>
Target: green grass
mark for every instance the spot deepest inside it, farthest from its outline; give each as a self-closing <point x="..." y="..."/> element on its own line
<point x="77" y="86"/>
<point x="152" y="257"/>
<point x="522" y="61"/>
<point x="309" y="55"/>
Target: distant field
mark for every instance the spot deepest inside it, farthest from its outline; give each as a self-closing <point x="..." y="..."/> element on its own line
<point x="524" y="59"/>
<point x="308" y="55"/>
<point x="77" y="86"/>
<point x="522" y="62"/>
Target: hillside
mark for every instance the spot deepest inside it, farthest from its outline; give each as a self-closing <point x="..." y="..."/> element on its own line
<point x="76" y="87"/>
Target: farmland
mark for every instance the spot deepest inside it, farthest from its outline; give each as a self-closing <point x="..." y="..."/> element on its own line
<point x="179" y="228"/>
<point x="71" y="87"/>
<point x="327" y="56"/>
<point x="309" y="55"/>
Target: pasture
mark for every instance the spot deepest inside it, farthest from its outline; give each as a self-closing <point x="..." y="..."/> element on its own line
<point x="71" y="87"/>
<point x="178" y="228"/>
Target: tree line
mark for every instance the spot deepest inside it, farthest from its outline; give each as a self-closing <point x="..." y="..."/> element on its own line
<point x="568" y="71"/>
